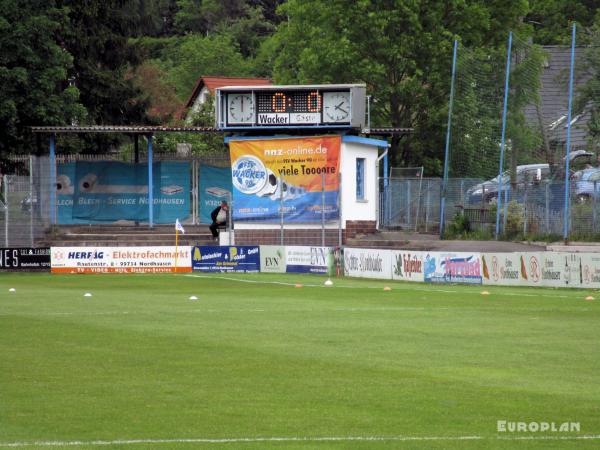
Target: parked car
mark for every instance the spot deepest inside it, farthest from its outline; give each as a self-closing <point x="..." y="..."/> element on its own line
<point x="526" y="173"/>
<point x="587" y="185"/>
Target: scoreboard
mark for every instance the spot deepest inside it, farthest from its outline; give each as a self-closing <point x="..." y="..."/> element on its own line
<point x="305" y="106"/>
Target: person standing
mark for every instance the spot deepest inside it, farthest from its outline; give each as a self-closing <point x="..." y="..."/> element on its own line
<point x="219" y="218"/>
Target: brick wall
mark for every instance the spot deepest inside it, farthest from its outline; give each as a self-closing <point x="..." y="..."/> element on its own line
<point x="354" y="227"/>
<point x="304" y="237"/>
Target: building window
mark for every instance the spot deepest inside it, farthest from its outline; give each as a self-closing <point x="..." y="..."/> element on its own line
<point x="360" y="178"/>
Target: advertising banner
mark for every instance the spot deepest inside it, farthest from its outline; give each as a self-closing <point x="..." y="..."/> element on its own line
<point x="268" y="172"/>
<point x="107" y="191"/>
<point x="407" y="265"/>
<point x="368" y="263"/>
<point x="452" y="267"/>
<point x="24" y="259"/>
<point x="272" y="258"/>
<point x="226" y="258"/>
<point x="215" y="186"/>
<point x="590" y="271"/>
<point x="309" y="260"/>
<point x="504" y="269"/>
<point x="560" y="269"/>
<point x="120" y="259"/>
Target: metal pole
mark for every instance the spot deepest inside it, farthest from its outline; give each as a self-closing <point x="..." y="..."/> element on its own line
<point x="567" y="199"/>
<point x="506" y="201"/>
<point x="340" y="210"/>
<point x="322" y="210"/>
<point x="52" y="181"/>
<point x="502" y="141"/>
<point x="447" y="151"/>
<point x="281" y="209"/>
<point x="195" y="192"/>
<point x="5" y="190"/>
<point x="594" y="197"/>
<point x="230" y="219"/>
<point x="547" y="211"/>
<point x="31" y="197"/>
<point x="525" y="213"/>
<point x="408" y="202"/>
<point x="386" y="181"/>
<point x="427" y="208"/>
<point x="419" y="201"/>
<point x="150" y="185"/>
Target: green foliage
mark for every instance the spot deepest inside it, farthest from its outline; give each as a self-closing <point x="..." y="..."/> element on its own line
<point x="101" y="58"/>
<point x="552" y="19"/>
<point x="33" y="73"/>
<point x="459" y="228"/>
<point x="195" y="55"/>
<point x="588" y="95"/>
<point x="514" y="220"/>
<point x="401" y="50"/>
<point x="244" y="20"/>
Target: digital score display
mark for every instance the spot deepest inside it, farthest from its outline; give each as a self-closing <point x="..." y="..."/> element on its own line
<point x="281" y="106"/>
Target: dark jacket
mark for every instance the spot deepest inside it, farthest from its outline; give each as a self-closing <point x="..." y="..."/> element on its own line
<point x="215" y="213"/>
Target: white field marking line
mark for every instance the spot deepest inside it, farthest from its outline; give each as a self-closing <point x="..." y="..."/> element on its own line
<point x="291" y="439"/>
<point x="412" y="288"/>
<point x="82" y="313"/>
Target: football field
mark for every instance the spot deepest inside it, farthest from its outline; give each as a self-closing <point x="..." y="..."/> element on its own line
<point x="283" y="362"/>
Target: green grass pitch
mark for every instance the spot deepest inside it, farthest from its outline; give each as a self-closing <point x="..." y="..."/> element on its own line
<point x="258" y="363"/>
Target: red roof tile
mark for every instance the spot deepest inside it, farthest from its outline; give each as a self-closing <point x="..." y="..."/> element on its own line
<point x="213" y="83"/>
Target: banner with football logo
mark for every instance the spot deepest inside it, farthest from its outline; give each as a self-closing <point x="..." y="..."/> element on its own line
<point x="296" y="176"/>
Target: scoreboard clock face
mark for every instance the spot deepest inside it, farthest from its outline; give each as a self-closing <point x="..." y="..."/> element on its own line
<point x="333" y="106"/>
<point x="240" y="108"/>
<point x="336" y="107"/>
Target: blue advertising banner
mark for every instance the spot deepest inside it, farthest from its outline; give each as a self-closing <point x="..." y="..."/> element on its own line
<point x="100" y="192"/>
<point x="215" y="186"/>
<point x="226" y="259"/>
<point x="65" y="186"/>
<point x="297" y="175"/>
<point x="309" y="260"/>
<point x="441" y="267"/>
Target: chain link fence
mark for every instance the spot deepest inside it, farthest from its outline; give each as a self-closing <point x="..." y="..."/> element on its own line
<point x="535" y="208"/>
<point x="26" y="214"/>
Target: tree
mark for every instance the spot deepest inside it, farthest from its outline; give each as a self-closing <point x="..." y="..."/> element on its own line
<point x="401" y="49"/>
<point x="247" y="21"/>
<point x="552" y="19"/>
<point x="588" y="96"/>
<point x="163" y="106"/>
<point x="195" y="55"/>
<point x="33" y="73"/>
<point x="96" y="35"/>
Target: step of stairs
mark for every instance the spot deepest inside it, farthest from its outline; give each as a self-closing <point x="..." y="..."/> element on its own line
<point x="125" y="236"/>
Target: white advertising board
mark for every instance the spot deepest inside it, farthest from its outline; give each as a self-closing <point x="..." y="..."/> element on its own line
<point x="120" y="259"/>
<point x="368" y="263"/>
<point x="590" y="270"/>
<point x="272" y="258"/>
<point x="504" y="269"/>
<point x="560" y="269"/>
<point x="407" y="265"/>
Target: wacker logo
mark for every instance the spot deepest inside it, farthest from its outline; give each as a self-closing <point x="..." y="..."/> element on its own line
<point x="504" y="426"/>
<point x="248" y="174"/>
